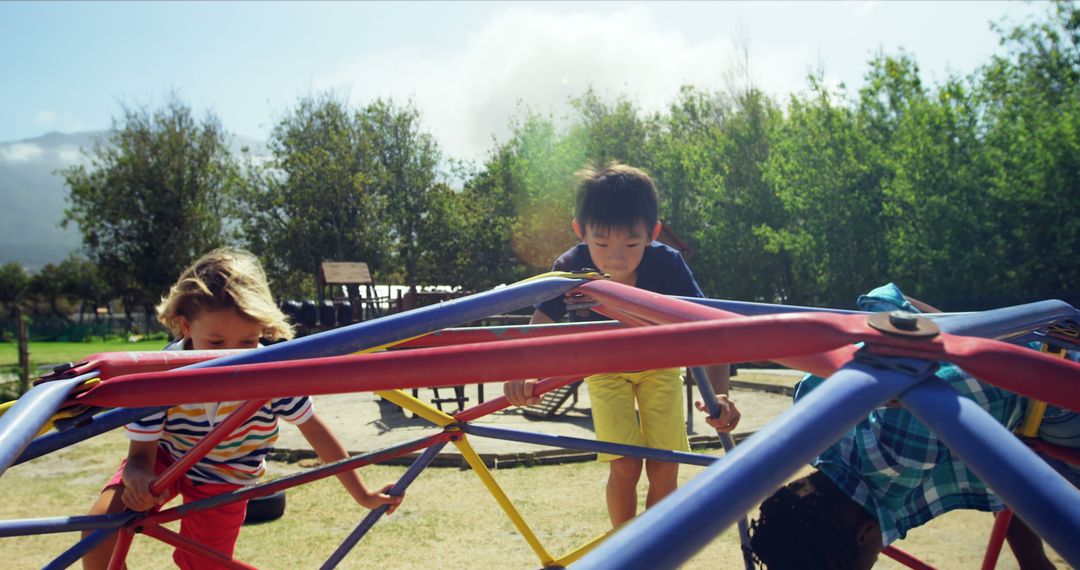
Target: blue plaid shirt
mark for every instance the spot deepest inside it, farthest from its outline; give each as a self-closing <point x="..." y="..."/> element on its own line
<point x="898" y="470"/>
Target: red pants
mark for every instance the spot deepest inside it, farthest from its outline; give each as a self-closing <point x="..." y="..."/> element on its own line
<point x="216" y="528"/>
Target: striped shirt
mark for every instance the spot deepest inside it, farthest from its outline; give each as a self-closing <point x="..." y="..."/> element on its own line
<point x="240" y="458"/>
<point x="897" y="469"/>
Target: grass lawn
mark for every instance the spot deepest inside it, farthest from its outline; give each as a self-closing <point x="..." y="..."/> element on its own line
<point x="43" y="353"/>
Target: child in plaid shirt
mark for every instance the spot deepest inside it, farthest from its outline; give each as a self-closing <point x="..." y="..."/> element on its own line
<point x="886" y="475"/>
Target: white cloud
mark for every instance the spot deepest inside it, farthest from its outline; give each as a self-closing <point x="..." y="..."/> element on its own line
<point x="69" y="154"/>
<point x="45" y="118"/>
<point x="866" y="10"/>
<point x="542" y="59"/>
<point x="20" y="152"/>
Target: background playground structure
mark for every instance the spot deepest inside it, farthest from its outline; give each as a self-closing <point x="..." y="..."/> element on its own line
<point x="829" y="334"/>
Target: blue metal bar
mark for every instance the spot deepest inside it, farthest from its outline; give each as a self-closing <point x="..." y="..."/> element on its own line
<point x="749" y="309"/>
<point x="30" y="412"/>
<point x="708" y="395"/>
<point x="1006" y="322"/>
<point x="397" y="490"/>
<point x="79" y="549"/>
<point x="26" y="527"/>
<point x="685" y="521"/>
<point x="1043" y="498"/>
<point x="345" y="340"/>
<point x="589" y="445"/>
<point x="308" y="476"/>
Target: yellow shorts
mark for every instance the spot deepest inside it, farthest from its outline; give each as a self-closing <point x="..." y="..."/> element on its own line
<point x="658" y="395"/>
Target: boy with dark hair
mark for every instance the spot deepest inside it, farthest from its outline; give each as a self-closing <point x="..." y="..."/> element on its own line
<point x="887" y="475"/>
<point x="616" y="215"/>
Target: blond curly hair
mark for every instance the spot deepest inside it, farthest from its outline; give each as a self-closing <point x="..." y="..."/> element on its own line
<point x="224" y="278"/>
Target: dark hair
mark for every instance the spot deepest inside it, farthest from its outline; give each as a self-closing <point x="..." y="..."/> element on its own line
<point x="804" y="525"/>
<point x="615" y="196"/>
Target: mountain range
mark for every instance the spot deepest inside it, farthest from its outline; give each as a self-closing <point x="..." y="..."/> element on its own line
<point x="33" y="195"/>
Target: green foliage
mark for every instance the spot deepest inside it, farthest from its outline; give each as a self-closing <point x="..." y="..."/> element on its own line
<point x="535" y="173"/>
<point x="403" y="175"/>
<point x="13" y="282"/>
<point x="313" y="201"/>
<point x="470" y="233"/>
<point x="152" y="198"/>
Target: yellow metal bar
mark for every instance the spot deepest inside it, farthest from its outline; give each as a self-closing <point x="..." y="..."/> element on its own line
<point x="389" y="344"/>
<point x="482" y="472"/>
<point x="1032" y="419"/>
<point x="1037" y="409"/>
<point x="417" y="407"/>
<point x="62" y="414"/>
<point x="566" y="274"/>
<point x="582" y="550"/>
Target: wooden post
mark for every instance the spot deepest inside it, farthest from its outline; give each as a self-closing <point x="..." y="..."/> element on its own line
<point x="24" y="350"/>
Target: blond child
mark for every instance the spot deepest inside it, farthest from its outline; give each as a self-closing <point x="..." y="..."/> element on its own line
<point x="616" y="215"/>
<point x="222" y="301"/>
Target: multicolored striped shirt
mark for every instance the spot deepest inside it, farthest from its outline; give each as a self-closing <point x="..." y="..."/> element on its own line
<point x="897" y="469"/>
<point x="240" y="458"/>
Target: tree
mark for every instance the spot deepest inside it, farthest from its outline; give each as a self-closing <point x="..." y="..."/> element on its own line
<point x="13" y="286"/>
<point x="827" y="172"/>
<point x="152" y="198"/>
<point x="81" y="280"/>
<point x="47" y="285"/>
<point x="1030" y="100"/>
<point x="403" y="172"/>
<point x="470" y="232"/>
<point x="314" y="200"/>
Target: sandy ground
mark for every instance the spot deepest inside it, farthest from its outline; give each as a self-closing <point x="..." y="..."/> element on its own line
<point x="363" y="424"/>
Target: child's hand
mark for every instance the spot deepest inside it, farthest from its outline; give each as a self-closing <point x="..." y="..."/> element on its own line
<point x="137" y="495"/>
<point x="520" y="392"/>
<point x="381" y="497"/>
<point x="729" y="414"/>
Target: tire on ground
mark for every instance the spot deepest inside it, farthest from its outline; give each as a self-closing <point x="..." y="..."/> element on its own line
<point x="266" y="508"/>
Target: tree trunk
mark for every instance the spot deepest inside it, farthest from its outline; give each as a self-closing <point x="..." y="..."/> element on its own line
<point x="129" y="321"/>
<point x="24" y="349"/>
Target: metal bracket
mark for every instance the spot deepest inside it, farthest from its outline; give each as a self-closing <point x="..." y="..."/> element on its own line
<point x="904" y="324"/>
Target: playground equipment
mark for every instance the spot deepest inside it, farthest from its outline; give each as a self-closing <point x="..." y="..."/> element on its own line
<point x="656" y="331"/>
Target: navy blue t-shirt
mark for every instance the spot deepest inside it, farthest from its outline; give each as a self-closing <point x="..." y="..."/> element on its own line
<point x="662" y="270"/>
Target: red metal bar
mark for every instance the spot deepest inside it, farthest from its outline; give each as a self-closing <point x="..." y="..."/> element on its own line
<point x="111" y="364"/>
<point x="124" y="537"/>
<point x="1017" y="369"/>
<point x="661" y="309"/>
<point x="542" y="387"/>
<point x="468" y="335"/>
<point x="740" y="340"/>
<point x="625" y="318"/>
<point x="206" y="445"/>
<point x="1005" y="365"/>
<point x="187" y="545"/>
<point x="997" y="539"/>
<point x="1066" y="454"/>
<point x="687" y="344"/>
<point x="905" y="558"/>
<point x="291" y="481"/>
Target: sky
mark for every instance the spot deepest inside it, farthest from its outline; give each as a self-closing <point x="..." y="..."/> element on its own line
<point x="469" y="67"/>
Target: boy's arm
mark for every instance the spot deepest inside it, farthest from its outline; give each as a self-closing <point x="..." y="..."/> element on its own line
<point x="720" y="379"/>
<point x="138" y="474"/>
<point x="520" y="392"/>
<point x="329" y="450"/>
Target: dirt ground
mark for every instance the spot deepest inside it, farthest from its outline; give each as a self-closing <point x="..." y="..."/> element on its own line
<point x="953" y="541"/>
